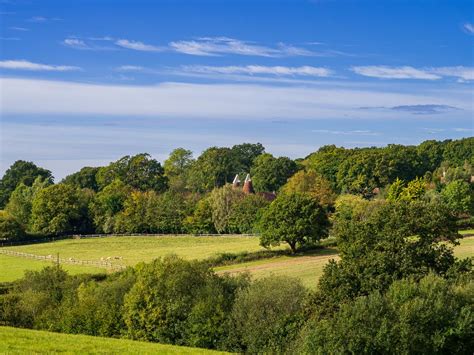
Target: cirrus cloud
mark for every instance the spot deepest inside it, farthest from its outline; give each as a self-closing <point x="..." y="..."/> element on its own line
<point x="26" y="65"/>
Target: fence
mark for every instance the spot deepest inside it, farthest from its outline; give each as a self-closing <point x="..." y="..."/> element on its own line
<point x="4" y="243"/>
<point x="107" y="264"/>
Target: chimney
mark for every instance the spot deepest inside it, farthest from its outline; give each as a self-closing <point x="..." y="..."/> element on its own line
<point x="236" y="182"/>
<point x="248" y="187"/>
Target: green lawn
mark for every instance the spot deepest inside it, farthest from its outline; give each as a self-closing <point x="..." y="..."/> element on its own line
<point x="25" y="341"/>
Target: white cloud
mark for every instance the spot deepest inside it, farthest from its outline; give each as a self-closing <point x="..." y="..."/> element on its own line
<point x="259" y="69"/>
<point x="42" y="19"/>
<point x="134" y="68"/>
<point x="26" y="65"/>
<point x="75" y="43"/>
<point x="214" y="46"/>
<point x="23" y="29"/>
<point x="463" y="73"/>
<point x="213" y="101"/>
<point x="407" y="72"/>
<point x="469" y="27"/>
<point x="386" y="72"/>
<point x="138" y="46"/>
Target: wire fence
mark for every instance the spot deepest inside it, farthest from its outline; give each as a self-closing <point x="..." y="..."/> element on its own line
<point x="106" y="263"/>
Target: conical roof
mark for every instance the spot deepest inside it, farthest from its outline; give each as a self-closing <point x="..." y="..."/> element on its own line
<point x="248" y="186"/>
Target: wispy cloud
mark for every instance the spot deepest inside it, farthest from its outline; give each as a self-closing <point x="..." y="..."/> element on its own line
<point x="26" y="65"/>
<point x="88" y="44"/>
<point x="42" y="19"/>
<point x="132" y="68"/>
<point x="211" y="101"/>
<point x="469" y="28"/>
<point x="260" y="69"/>
<point x="460" y="72"/>
<point x="215" y="46"/>
<point x="14" y="28"/>
<point x="407" y="72"/>
<point x="76" y="43"/>
<point x="463" y="130"/>
<point x="419" y="109"/>
<point x="9" y="38"/>
<point x="386" y="72"/>
<point x="138" y="46"/>
<point x="347" y="133"/>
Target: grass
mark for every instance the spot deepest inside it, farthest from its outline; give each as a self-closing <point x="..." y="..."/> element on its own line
<point x="26" y="341"/>
<point x="306" y="266"/>
<point x="13" y="268"/>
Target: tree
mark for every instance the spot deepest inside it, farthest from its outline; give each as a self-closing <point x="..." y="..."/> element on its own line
<point x="391" y="242"/>
<point x="267" y="315"/>
<point x="177" y="168"/>
<point x="84" y="178"/>
<point x="107" y="204"/>
<point x="140" y="171"/>
<point x="431" y="316"/>
<point x="214" y="168"/>
<point x="313" y="184"/>
<point x="179" y="302"/>
<point x="60" y="209"/>
<point x="200" y="221"/>
<point x="458" y="196"/>
<point x="245" y="213"/>
<point x="415" y="190"/>
<point x="10" y="228"/>
<point x="295" y="219"/>
<point x="223" y="201"/>
<point x="21" y="201"/>
<point x="245" y="154"/>
<point x="270" y="173"/>
<point x="20" y="172"/>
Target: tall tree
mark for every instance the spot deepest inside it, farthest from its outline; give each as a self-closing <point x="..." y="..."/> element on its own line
<point x="20" y="172"/>
<point x="270" y="173"/>
<point x="313" y="184"/>
<point x="177" y="168"/>
<point x="245" y="155"/>
<point x="84" y="178"/>
<point x="140" y="171"/>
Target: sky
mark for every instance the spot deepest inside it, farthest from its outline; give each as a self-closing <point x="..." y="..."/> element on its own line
<point x="83" y="83"/>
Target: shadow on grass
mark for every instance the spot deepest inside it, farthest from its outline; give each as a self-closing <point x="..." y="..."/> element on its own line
<point x="326" y="247"/>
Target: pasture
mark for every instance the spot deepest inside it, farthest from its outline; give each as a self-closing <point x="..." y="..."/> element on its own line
<point x="306" y="266"/>
<point x="26" y="341"/>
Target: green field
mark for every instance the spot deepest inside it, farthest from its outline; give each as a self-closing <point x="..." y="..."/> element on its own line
<point x="308" y="267"/>
<point x="25" y="341"/>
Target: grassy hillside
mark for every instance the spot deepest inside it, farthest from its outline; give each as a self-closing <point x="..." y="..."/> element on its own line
<point x="25" y="341"/>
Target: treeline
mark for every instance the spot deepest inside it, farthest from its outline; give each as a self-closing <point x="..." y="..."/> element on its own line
<point x="397" y="288"/>
<point x="137" y="194"/>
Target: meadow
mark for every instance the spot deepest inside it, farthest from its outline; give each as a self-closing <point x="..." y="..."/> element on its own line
<point x="26" y="341"/>
<point x="306" y="266"/>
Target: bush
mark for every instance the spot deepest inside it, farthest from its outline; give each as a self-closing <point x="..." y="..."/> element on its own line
<point x="179" y="302"/>
<point x="430" y="317"/>
<point x="267" y="315"/>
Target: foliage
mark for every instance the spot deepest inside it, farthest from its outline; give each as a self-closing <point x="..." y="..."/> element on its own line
<point x="459" y="197"/>
<point x="20" y="172"/>
<point x="395" y="190"/>
<point x="200" y="221"/>
<point x="223" y="201"/>
<point x="295" y="219"/>
<point x="391" y="242"/>
<point x="177" y="168"/>
<point x="245" y="213"/>
<point x="60" y="209"/>
<point x="415" y="190"/>
<point x="311" y="183"/>
<point x="245" y="155"/>
<point x="267" y="315"/>
<point x="140" y="171"/>
<point x="270" y="173"/>
<point x="84" y="178"/>
<point x="430" y="316"/>
<point x="178" y="302"/>
<point x="10" y="228"/>
<point x="21" y="201"/>
<point x="107" y="204"/>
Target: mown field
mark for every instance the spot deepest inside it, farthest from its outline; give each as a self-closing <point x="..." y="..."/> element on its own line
<point x="25" y="341"/>
<point x="308" y="267"/>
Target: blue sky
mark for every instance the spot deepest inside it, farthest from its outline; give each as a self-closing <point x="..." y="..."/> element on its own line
<point x="86" y="82"/>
